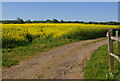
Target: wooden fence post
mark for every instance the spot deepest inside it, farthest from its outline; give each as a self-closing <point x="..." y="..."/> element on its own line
<point x="118" y="47"/>
<point x="119" y="56"/>
<point x="110" y="50"/>
<point x="116" y="37"/>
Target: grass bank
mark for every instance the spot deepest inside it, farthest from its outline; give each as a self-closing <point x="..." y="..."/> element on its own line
<point x="98" y="65"/>
<point x="12" y="56"/>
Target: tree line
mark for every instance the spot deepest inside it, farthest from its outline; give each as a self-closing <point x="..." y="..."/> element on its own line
<point x="21" y="21"/>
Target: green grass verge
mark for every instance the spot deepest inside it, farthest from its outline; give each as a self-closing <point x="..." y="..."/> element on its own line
<point x="98" y="65"/>
<point x="12" y="56"/>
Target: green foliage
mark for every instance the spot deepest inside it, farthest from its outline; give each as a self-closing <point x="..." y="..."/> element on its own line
<point x="29" y="37"/>
<point x="98" y="65"/>
<point x="20" y="21"/>
<point x="54" y="21"/>
<point x="109" y="75"/>
<point x="12" y="56"/>
<point x="28" y="21"/>
<point x="48" y="21"/>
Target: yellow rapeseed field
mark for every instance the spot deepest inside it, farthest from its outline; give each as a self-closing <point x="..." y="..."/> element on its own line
<point x="24" y="33"/>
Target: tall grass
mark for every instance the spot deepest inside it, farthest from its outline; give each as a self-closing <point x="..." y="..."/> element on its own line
<point x="98" y="65"/>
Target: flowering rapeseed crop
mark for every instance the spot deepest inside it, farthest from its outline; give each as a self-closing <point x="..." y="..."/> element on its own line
<point x="25" y="33"/>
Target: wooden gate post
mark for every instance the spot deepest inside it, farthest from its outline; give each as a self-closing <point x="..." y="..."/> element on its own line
<point x="110" y="50"/>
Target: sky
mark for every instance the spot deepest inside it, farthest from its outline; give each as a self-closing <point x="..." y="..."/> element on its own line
<point x="60" y="0"/>
<point x="81" y="11"/>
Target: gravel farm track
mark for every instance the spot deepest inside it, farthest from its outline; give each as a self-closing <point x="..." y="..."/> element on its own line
<point x="63" y="62"/>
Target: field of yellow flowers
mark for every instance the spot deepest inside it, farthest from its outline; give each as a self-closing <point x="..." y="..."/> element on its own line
<point x="20" y="34"/>
<point x="20" y="41"/>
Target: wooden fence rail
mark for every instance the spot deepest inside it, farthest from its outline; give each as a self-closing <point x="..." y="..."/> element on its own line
<point x="112" y="38"/>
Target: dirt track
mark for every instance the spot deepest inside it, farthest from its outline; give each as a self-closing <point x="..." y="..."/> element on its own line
<point x="64" y="62"/>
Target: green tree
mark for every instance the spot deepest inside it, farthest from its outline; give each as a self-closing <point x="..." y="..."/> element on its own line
<point x="55" y="21"/>
<point x="62" y="21"/>
<point x="28" y="21"/>
<point x="19" y="20"/>
<point x="48" y="21"/>
<point x="91" y="22"/>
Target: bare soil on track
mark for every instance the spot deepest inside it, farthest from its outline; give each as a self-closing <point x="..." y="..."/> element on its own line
<point x="63" y="62"/>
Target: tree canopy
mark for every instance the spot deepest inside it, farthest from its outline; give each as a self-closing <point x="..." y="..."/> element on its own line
<point x="21" y="21"/>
